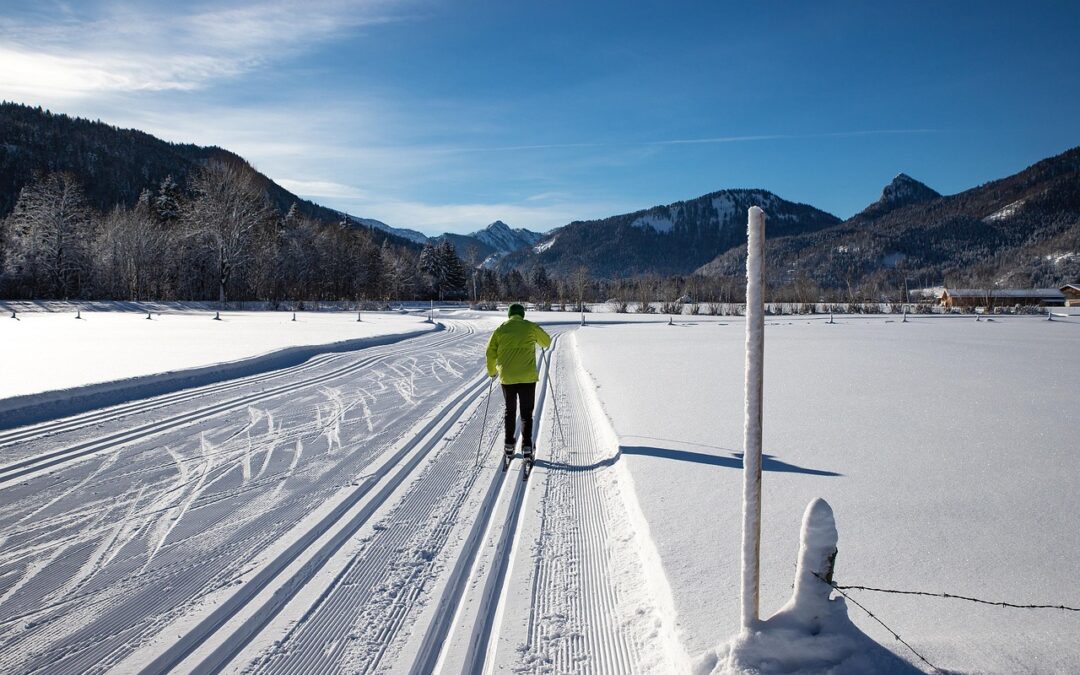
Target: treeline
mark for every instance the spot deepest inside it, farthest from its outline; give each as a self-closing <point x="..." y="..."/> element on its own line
<point x="217" y="238"/>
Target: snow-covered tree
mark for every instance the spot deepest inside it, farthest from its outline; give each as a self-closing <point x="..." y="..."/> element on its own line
<point x="49" y="236"/>
<point x="228" y="207"/>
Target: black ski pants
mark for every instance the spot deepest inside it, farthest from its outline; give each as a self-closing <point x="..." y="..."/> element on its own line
<point x="523" y="394"/>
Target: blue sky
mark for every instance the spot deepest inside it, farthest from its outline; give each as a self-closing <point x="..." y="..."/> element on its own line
<point x="446" y="115"/>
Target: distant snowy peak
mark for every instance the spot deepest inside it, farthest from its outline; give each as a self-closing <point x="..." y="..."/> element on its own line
<point x="727" y="206"/>
<point x="902" y="191"/>
<point x="505" y="239"/>
<point x="411" y="235"/>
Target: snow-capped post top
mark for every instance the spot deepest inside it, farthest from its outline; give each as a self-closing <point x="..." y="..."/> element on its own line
<point x="817" y="555"/>
<point x="754" y="385"/>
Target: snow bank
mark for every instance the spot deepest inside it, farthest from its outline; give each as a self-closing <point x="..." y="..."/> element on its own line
<point x="56" y="365"/>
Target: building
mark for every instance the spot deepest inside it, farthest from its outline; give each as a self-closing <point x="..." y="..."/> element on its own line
<point x="1003" y="297"/>
<point x="1072" y="294"/>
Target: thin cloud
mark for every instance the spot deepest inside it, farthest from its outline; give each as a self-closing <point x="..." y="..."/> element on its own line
<point x="678" y="141"/>
<point x="129" y="49"/>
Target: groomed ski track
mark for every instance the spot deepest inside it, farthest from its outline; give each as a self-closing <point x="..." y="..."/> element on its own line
<point x="400" y="547"/>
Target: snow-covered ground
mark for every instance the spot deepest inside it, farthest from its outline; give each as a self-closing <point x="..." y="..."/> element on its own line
<point x="946" y="447"/>
<point x="347" y="512"/>
<point x="46" y="351"/>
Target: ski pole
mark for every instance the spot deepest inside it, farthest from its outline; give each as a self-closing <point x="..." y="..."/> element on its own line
<point x="554" y="403"/>
<point x="483" y="427"/>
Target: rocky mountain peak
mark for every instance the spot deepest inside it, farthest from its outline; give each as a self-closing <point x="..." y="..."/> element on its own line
<point x="901" y="191"/>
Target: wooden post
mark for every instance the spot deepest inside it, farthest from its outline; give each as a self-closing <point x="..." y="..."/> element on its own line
<point x="755" y="363"/>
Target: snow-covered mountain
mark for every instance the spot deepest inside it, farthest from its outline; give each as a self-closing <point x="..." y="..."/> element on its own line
<point x="671" y="239"/>
<point x="1027" y="225"/>
<point x="411" y="235"/>
<point x="501" y="237"/>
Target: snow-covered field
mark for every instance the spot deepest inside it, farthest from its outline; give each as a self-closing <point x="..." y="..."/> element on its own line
<point x="347" y="512"/>
<point x="947" y="448"/>
<point x="44" y="351"/>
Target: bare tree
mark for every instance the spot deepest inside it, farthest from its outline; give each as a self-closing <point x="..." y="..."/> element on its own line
<point x="580" y="281"/>
<point x="128" y="255"/>
<point x="225" y="214"/>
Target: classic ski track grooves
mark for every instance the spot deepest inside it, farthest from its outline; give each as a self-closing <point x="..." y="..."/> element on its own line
<point x="493" y="578"/>
<point x="594" y="605"/>
<point x="343" y="522"/>
<point x="31" y="465"/>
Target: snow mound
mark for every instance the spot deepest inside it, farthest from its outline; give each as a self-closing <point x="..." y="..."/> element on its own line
<point x="812" y="632"/>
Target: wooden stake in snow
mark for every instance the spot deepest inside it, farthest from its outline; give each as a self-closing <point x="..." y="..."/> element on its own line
<point x="755" y="364"/>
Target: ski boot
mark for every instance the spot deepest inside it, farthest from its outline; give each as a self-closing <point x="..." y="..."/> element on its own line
<point x="508" y="455"/>
<point x="527" y="464"/>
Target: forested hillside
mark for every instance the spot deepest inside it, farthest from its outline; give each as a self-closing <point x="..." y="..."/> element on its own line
<point x="1023" y="230"/>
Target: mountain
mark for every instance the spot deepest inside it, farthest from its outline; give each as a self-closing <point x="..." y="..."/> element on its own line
<point x="410" y="235"/>
<point x="115" y="165"/>
<point x="485" y="247"/>
<point x="1022" y="230"/>
<point x="672" y="239"/>
<point x="500" y="237"/>
<point x="902" y="191"/>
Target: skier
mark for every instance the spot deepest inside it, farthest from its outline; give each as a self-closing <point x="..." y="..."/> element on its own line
<point x="511" y="354"/>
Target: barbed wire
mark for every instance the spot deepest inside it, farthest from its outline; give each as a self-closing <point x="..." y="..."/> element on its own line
<point x="952" y="596"/>
<point x="875" y="618"/>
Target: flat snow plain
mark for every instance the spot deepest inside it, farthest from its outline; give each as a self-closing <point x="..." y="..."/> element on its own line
<point x="943" y="444"/>
<point x="51" y="350"/>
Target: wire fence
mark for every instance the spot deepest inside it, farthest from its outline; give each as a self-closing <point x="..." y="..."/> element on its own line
<point x="841" y="588"/>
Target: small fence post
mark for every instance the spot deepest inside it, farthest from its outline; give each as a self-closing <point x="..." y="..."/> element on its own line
<point x="817" y="559"/>
<point x="217" y="316"/>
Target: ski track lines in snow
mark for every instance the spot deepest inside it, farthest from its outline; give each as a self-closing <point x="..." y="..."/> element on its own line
<point x="35" y="464"/>
<point x="594" y="599"/>
<point x="116" y="604"/>
<point x="258" y="600"/>
<point x="421" y="563"/>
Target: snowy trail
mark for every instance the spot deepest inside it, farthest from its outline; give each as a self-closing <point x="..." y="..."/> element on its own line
<point x="586" y="594"/>
<point x="349" y="516"/>
<point x="143" y="515"/>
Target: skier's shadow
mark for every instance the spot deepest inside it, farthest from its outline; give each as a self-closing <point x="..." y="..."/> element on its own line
<point x="730" y="461"/>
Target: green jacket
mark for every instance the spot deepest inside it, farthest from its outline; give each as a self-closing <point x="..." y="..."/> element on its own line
<point x="511" y="351"/>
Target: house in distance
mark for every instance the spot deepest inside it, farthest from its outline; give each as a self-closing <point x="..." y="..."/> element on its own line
<point x="1004" y="297"/>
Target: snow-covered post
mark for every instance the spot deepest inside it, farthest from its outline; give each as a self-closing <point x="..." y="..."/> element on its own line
<point x="358" y="318"/>
<point x="814" y="572"/>
<point x="78" y="313"/>
<point x="755" y="364"/>
<point x="583" y="315"/>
